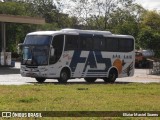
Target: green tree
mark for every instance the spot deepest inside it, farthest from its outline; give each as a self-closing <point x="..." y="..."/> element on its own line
<point x="15" y="33"/>
<point x="152" y="20"/>
<point x="46" y="9"/>
<point x="36" y="8"/>
<point x="149" y="35"/>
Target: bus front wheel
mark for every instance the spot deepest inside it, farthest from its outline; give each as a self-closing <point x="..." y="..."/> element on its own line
<point x="40" y="80"/>
<point x="113" y="74"/>
<point x="90" y="80"/>
<point x="64" y="76"/>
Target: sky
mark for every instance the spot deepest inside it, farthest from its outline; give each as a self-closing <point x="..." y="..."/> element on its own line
<point x="147" y="4"/>
<point x="150" y="4"/>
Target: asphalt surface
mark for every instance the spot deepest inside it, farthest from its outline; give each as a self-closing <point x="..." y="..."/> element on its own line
<point x="11" y="76"/>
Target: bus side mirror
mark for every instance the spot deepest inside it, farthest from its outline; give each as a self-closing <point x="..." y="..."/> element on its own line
<point x="20" y="45"/>
<point x="52" y="52"/>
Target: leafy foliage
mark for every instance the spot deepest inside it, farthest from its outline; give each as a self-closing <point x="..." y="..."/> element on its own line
<point x="149" y="35"/>
<point x="36" y="8"/>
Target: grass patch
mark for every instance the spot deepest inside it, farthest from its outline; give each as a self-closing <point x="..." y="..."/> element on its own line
<point x="28" y="100"/>
<point x="99" y="97"/>
<point x="81" y="97"/>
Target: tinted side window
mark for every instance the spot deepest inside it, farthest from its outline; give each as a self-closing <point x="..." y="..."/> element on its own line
<point x="85" y="42"/>
<point x="126" y="44"/>
<point x="98" y="42"/>
<point x="111" y="44"/>
<point x="58" y="42"/>
<point x="71" y="42"/>
<point x="58" y="47"/>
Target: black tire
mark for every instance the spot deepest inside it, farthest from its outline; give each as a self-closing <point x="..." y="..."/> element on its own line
<point x="90" y="80"/>
<point x="113" y="74"/>
<point x="40" y="80"/>
<point x="64" y="76"/>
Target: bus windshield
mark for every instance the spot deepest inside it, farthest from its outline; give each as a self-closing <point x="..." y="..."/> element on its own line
<point x="36" y="49"/>
<point x="37" y="40"/>
<point x="35" y="55"/>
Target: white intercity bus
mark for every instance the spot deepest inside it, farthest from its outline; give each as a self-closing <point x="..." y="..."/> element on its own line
<point x="73" y="53"/>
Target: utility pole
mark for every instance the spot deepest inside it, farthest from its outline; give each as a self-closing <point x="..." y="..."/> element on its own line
<point x="3" y="29"/>
<point x="3" y="26"/>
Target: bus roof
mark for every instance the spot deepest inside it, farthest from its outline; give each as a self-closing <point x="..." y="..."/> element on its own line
<point x="78" y="31"/>
<point x="71" y="31"/>
<point x="43" y="33"/>
<point x="122" y="36"/>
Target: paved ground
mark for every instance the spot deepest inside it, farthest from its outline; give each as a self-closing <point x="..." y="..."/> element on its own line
<point x="11" y="76"/>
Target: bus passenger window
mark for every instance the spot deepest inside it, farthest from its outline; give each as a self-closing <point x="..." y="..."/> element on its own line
<point x="71" y="42"/>
<point x="57" y="44"/>
<point x="98" y="42"/>
<point x="86" y="42"/>
<point x="111" y="44"/>
<point x="125" y="45"/>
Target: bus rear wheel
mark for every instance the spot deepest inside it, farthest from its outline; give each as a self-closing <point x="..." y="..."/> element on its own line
<point x="113" y="74"/>
<point x="64" y="76"/>
<point x="40" y="80"/>
<point x="90" y="80"/>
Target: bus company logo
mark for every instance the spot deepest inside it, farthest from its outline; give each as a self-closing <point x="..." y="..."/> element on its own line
<point x="6" y="114"/>
<point x="94" y="58"/>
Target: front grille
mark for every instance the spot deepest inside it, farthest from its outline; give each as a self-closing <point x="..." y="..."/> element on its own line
<point x="28" y="66"/>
